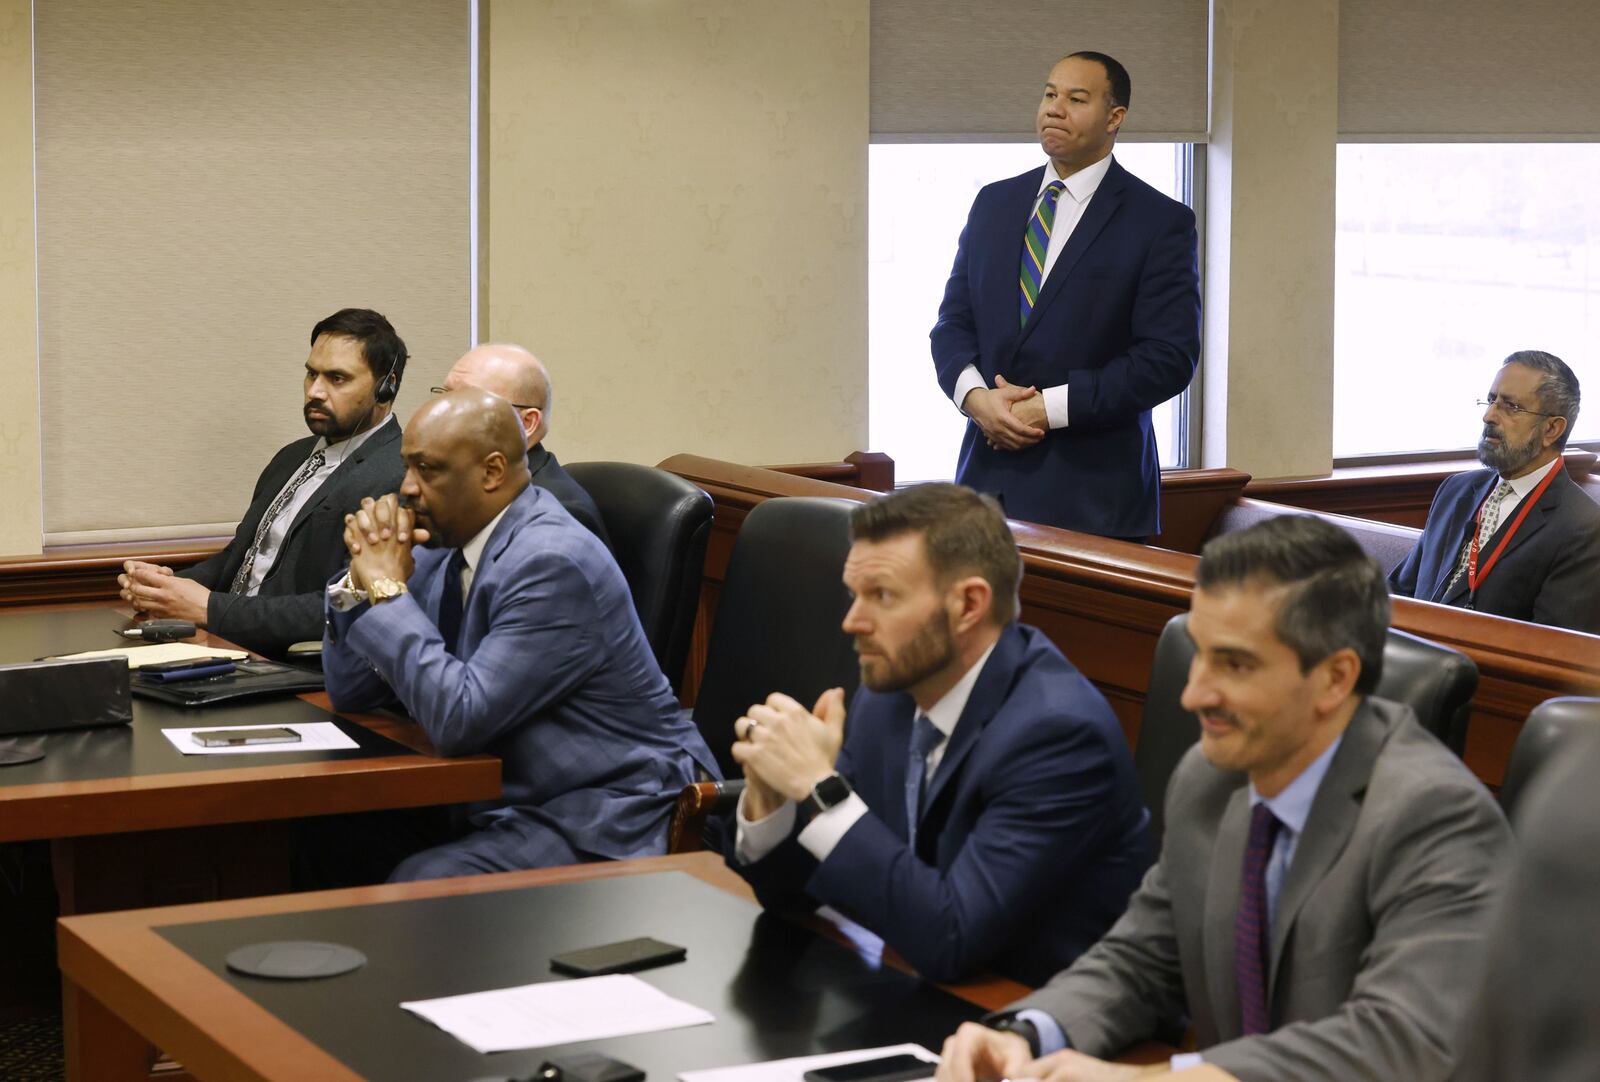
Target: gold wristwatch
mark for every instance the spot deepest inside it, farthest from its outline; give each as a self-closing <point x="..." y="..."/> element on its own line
<point x="384" y="589"/>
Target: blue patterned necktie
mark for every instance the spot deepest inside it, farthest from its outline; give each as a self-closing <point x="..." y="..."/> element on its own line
<point x="1252" y="938"/>
<point x="1036" y="245"/>
<point x="241" y="581"/>
<point x="925" y="736"/>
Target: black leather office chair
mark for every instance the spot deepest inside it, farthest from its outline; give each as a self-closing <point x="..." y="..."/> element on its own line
<point x="659" y="525"/>
<point x="1435" y="681"/>
<point x="777" y="628"/>
<point x="1550" y="732"/>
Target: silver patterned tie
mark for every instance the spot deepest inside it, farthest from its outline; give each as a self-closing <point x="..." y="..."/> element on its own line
<point x="241" y="581"/>
<point x="1486" y="528"/>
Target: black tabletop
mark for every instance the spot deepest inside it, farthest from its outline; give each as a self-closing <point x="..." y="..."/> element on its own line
<point x="139" y="748"/>
<point x="776" y="990"/>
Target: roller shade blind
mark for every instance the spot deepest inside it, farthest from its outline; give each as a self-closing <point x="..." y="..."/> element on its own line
<point x="1469" y="70"/>
<point x="948" y="71"/>
<point x="212" y="179"/>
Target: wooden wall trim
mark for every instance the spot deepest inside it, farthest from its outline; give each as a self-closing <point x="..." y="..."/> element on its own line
<point x="89" y="572"/>
<point x="863" y="469"/>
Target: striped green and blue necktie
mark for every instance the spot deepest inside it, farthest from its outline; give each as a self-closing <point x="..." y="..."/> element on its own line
<point x="1035" y="243"/>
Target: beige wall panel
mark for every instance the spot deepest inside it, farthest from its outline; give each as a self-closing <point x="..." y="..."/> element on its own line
<point x="213" y="179"/>
<point x="1270" y="230"/>
<point x="20" y="521"/>
<point x="677" y="222"/>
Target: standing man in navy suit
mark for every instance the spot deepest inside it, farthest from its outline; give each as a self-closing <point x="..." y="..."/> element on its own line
<point x="1519" y="539"/>
<point x="981" y="811"/>
<point x="1072" y="310"/>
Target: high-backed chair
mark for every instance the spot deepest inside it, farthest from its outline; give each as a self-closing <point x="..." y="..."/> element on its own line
<point x="1552" y="729"/>
<point x="659" y="525"/>
<point x="1435" y="681"/>
<point x="777" y="628"/>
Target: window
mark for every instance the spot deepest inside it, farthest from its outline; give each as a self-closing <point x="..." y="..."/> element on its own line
<point x="1448" y="257"/>
<point x="918" y="196"/>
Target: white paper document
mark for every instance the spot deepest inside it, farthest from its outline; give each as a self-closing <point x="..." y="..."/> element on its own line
<point x="161" y="652"/>
<point x="793" y="1070"/>
<point x="314" y="736"/>
<point x="558" y="1012"/>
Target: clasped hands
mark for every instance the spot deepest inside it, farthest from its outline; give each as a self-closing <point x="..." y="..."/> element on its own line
<point x="786" y="749"/>
<point x="154" y="591"/>
<point x="1012" y="418"/>
<point x="379" y="537"/>
<point x="976" y="1053"/>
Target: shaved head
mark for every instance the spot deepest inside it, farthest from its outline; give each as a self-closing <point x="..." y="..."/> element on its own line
<point x="465" y="461"/>
<point x="515" y="375"/>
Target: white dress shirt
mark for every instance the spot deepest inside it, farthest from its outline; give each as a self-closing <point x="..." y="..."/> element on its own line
<point x="756" y="838"/>
<point x="1074" y="199"/>
<point x="1520" y="488"/>
<point x="334" y="456"/>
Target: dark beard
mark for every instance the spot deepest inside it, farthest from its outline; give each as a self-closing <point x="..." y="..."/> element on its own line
<point x="932" y="649"/>
<point x="1508" y="459"/>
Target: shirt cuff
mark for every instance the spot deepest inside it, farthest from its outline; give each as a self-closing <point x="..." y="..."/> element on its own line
<point x="755" y="838"/>
<point x="1055" y="405"/>
<point x="969" y="380"/>
<point x="1184" y="1060"/>
<point x="1051" y="1036"/>
<point x="828" y="828"/>
<point x="343" y="595"/>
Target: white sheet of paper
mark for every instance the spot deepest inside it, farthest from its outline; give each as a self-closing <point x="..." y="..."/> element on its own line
<point x="161" y="652"/>
<point x="314" y="736"/>
<point x="557" y="1012"/>
<point x="793" y="1070"/>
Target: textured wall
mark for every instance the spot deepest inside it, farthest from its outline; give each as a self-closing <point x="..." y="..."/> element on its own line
<point x="20" y="512"/>
<point x="676" y="222"/>
<point x="1268" y="387"/>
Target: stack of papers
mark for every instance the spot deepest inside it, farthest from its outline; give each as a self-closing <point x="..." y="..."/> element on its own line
<point x="314" y="736"/>
<point x="557" y="1012"/>
<point x="159" y="653"/>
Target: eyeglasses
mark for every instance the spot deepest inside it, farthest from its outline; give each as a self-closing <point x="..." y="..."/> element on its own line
<point x="514" y="405"/>
<point x="1511" y="409"/>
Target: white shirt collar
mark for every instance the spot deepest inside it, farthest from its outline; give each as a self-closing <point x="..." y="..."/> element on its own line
<point x="947" y="711"/>
<point x="1292" y="807"/>
<point x="340" y="451"/>
<point x="1080" y="185"/>
<point x="1521" y="486"/>
<point x="473" y="550"/>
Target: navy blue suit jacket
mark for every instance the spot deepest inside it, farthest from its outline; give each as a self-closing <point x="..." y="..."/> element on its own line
<point x="1032" y="834"/>
<point x="1549" y="573"/>
<point x="1118" y="321"/>
<point x="553" y="675"/>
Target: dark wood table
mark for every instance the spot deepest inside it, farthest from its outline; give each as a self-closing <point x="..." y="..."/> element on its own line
<point x="777" y="988"/>
<point x="127" y="815"/>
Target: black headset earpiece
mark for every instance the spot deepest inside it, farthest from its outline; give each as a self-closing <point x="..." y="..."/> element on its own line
<point x="389" y="386"/>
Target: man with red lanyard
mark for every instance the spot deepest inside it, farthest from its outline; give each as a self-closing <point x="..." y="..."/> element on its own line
<point x="1519" y="539"/>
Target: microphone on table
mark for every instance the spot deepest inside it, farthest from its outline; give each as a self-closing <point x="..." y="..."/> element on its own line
<point x="161" y="630"/>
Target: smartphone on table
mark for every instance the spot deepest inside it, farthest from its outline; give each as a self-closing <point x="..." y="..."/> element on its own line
<point x="884" y="1069"/>
<point x="235" y="738"/>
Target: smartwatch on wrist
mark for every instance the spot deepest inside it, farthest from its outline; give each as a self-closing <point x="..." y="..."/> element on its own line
<point x="828" y="793"/>
<point x="1010" y="1023"/>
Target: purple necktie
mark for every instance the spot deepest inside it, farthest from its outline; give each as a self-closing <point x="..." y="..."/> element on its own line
<point x="1252" y="937"/>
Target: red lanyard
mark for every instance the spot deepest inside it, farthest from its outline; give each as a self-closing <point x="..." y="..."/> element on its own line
<point x="1474" y="579"/>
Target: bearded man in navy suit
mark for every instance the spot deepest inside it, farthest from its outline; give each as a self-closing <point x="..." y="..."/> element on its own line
<point x="1072" y="310"/>
<point x="981" y="812"/>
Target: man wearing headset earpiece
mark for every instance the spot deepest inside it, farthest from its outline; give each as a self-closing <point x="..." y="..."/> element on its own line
<point x="264" y="591"/>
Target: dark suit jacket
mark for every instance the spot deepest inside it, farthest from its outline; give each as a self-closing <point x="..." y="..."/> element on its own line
<point x="1118" y="321"/>
<point x="548" y="474"/>
<point x="1549" y="573"/>
<point x="553" y="675"/>
<point x="1032" y="835"/>
<point x="288" y="607"/>
<point x="1379" y="932"/>
<point x="1539" y="1000"/>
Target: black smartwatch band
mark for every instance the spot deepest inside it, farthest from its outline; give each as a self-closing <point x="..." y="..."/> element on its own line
<point x="828" y="793"/>
<point x="1010" y="1023"/>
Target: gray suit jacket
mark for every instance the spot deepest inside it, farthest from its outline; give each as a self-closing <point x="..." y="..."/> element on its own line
<point x="1378" y="932"/>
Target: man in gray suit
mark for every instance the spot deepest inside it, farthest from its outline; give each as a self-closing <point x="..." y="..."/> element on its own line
<point x="1319" y="907"/>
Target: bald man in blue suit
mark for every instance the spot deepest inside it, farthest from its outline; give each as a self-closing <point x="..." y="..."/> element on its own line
<point x="1072" y="310"/>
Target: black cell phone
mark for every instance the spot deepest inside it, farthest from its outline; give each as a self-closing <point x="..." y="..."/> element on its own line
<point x="234" y="738"/>
<point x="623" y="957"/>
<point x="885" y="1069"/>
<point x="186" y="663"/>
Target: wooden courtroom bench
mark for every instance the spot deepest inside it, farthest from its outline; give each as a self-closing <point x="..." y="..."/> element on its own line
<point x="1105" y="602"/>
